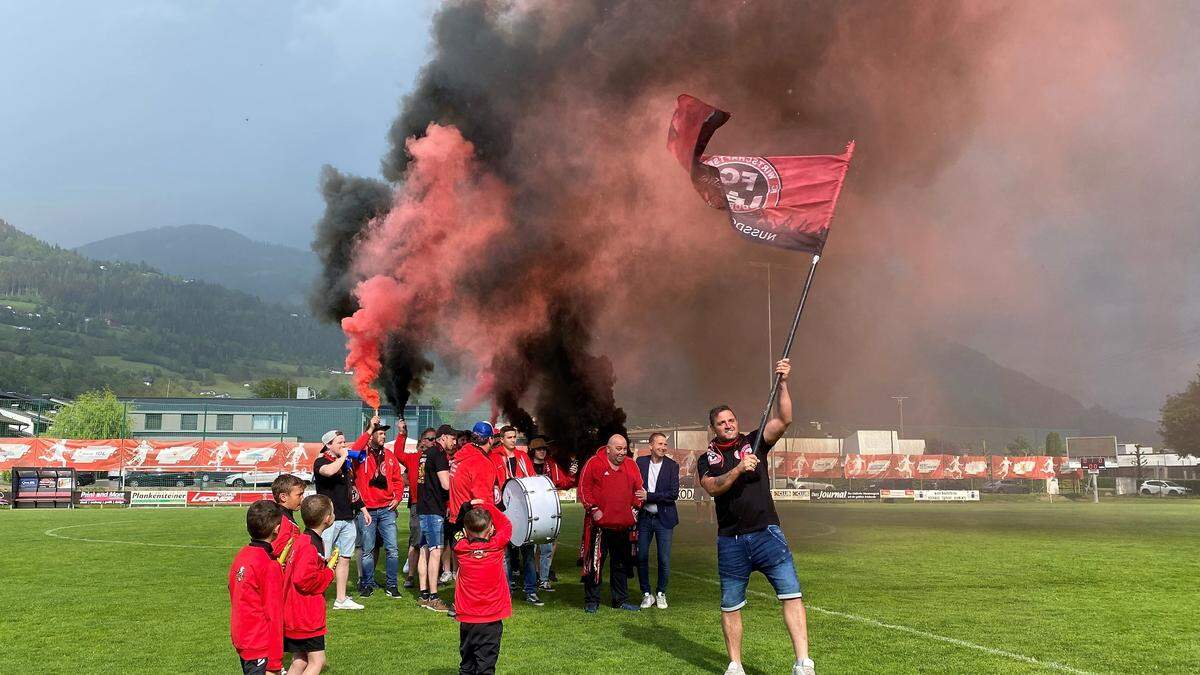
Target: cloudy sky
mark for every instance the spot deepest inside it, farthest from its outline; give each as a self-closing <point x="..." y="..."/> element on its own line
<point x="116" y="117"/>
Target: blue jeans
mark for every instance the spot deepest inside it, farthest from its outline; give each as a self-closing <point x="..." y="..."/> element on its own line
<point x="766" y="551"/>
<point x="432" y="532"/>
<point x="383" y="520"/>
<point x="651" y="527"/>
<point x="545" y="558"/>
<point x="521" y="562"/>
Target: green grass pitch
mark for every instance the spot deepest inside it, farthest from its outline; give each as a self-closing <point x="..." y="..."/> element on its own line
<point x="989" y="587"/>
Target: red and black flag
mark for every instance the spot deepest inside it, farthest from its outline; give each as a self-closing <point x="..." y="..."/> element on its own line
<point x="781" y="201"/>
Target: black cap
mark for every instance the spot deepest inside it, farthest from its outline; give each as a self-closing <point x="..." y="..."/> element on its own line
<point x="446" y="430"/>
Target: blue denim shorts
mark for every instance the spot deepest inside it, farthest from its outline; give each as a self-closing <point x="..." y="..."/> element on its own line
<point x="432" y="531"/>
<point x="765" y="551"/>
<point x="342" y="535"/>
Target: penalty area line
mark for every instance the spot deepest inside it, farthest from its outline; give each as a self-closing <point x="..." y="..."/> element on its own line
<point x="1050" y="665"/>
<point x="53" y="532"/>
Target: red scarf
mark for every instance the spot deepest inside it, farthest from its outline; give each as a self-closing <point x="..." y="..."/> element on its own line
<point x="715" y="445"/>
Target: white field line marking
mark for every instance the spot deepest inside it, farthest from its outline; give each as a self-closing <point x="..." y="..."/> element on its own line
<point x="1050" y="665"/>
<point x="53" y="532"/>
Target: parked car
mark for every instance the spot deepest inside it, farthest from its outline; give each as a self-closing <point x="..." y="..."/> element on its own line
<point x="808" y="485"/>
<point x="159" y="479"/>
<point x="1005" y="487"/>
<point x="1164" y="487"/>
<point x="85" y="478"/>
<point x="262" y="478"/>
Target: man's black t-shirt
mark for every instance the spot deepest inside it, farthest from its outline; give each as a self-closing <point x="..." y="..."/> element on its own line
<point x="337" y="487"/>
<point x="431" y="498"/>
<point x="747" y="506"/>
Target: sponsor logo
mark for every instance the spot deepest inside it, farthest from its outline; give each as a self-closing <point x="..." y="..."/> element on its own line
<point x="714" y="458"/>
<point x="94" y="453"/>
<point x="241" y="573"/>
<point x="847" y="495"/>
<point x="254" y="456"/>
<point x="1024" y="466"/>
<point x="11" y="451"/>
<point x="214" y="497"/>
<point x="895" y="494"/>
<point x="978" y="467"/>
<point x="800" y="495"/>
<point x="947" y="495"/>
<point x="878" y="465"/>
<point x="928" y="465"/>
<point x="825" y="464"/>
<point x="687" y="494"/>
<point x="115" y="497"/>
<point x="176" y="454"/>
<point x="157" y="497"/>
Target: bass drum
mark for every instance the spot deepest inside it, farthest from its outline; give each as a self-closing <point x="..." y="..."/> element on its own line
<point x="531" y="503"/>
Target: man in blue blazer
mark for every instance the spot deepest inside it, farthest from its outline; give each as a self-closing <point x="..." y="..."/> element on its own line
<point x="657" y="518"/>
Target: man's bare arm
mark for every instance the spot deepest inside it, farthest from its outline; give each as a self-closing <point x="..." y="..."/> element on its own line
<point x="332" y="467"/>
<point x="719" y="485"/>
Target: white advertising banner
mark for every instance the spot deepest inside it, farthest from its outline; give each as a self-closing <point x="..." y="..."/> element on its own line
<point x="946" y="495"/>
<point x="797" y="495"/>
<point x="157" y="498"/>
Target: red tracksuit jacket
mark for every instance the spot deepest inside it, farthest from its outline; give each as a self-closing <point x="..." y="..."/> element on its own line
<point x="481" y="593"/>
<point x="600" y="487"/>
<point x="557" y="475"/>
<point x="305" y="579"/>
<point x="373" y="497"/>
<point x="500" y="463"/>
<point x="256" y="604"/>
<point x="287" y="532"/>
<point x="471" y="477"/>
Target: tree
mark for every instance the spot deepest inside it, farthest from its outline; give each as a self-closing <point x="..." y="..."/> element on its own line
<point x="272" y="387"/>
<point x="1019" y="446"/>
<point x="94" y="415"/>
<point x="1180" y="420"/>
<point x="1054" y="444"/>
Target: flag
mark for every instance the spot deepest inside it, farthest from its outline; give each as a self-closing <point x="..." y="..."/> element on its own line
<point x="780" y="201"/>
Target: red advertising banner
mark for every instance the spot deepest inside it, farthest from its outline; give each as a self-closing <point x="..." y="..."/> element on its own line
<point x="811" y="465"/>
<point x="223" y="497"/>
<point x="1033" y="467"/>
<point x="82" y="455"/>
<point x="868" y="466"/>
<point x="929" y="467"/>
<point x="148" y="455"/>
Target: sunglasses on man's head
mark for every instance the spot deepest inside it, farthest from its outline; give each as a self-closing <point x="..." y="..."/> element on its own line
<point x="427" y="438"/>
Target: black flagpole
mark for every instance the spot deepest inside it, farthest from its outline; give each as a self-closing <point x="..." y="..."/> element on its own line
<point x="787" y="348"/>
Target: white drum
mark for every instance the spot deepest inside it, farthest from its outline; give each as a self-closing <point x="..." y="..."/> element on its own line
<point x="531" y="503"/>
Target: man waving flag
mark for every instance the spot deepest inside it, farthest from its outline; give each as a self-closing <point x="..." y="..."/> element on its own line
<point x="781" y="201"/>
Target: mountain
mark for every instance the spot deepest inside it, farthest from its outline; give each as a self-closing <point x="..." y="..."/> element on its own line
<point x="69" y="323"/>
<point x="272" y="272"/>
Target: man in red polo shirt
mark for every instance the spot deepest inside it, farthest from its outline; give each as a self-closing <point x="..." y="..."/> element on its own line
<point x="611" y="491"/>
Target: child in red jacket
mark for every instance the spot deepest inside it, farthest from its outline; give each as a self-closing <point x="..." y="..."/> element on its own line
<point x="481" y="595"/>
<point x="256" y="594"/>
<point x="306" y="576"/>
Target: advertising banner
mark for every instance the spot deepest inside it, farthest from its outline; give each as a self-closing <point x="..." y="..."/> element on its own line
<point x="157" y="498"/>
<point x="868" y="466"/>
<point x="947" y="495"/>
<point x="798" y="495"/>
<point x="1034" y="467"/>
<point x="107" y="498"/>
<point x="811" y="465"/>
<point x="895" y="494"/>
<point x="568" y="496"/>
<point x="845" y="495"/>
<point x="224" y="497"/>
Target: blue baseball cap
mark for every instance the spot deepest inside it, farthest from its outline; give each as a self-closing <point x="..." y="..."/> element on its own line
<point x="482" y="429"/>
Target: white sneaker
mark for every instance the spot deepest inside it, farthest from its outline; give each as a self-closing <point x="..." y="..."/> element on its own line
<point x="647" y="600"/>
<point x="405" y="568"/>
<point x="805" y="667"/>
<point x="346" y="603"/>
<point x="735" y="668"/>
<point x="446" y="578"/>
<point x="661" y="600"/>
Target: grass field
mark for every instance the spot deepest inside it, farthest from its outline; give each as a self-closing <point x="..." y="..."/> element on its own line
<point x="992" y="587"/>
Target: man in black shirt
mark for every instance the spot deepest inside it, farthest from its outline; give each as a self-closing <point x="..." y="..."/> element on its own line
<point x="432" y="496"/>
<point x="748" y="533"/>
<point x="333" y="476"/>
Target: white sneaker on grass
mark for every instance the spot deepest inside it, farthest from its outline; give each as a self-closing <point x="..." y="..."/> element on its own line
<point x="735" y="668"/>
<point x="446" y="578"/>
<point x="805" y="667"/>
<point x="346" y="603"/>
<point x="647" y="600"/>
<point x="661" y="600"/>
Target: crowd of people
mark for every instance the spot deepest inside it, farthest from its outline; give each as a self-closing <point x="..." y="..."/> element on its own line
<point x="458" y="533"/>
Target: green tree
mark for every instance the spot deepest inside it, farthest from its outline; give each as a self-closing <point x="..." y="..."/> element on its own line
<point x="272" y="387"/>
<point x="1019" y="446"/>
<point x="95" y="414"/>
<point x="1179" y="423"/>
<point x="1054" y="444"/>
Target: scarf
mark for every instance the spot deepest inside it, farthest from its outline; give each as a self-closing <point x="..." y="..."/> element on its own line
<point x="715" y="445"/>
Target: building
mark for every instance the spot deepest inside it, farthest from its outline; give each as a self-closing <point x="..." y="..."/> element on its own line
<point x="250" y="419"/>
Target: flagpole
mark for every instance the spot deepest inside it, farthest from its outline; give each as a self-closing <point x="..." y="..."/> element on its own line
<point x="787" y="348"/>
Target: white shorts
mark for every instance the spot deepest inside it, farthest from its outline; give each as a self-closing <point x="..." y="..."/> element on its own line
<point x="341" y="534"/>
